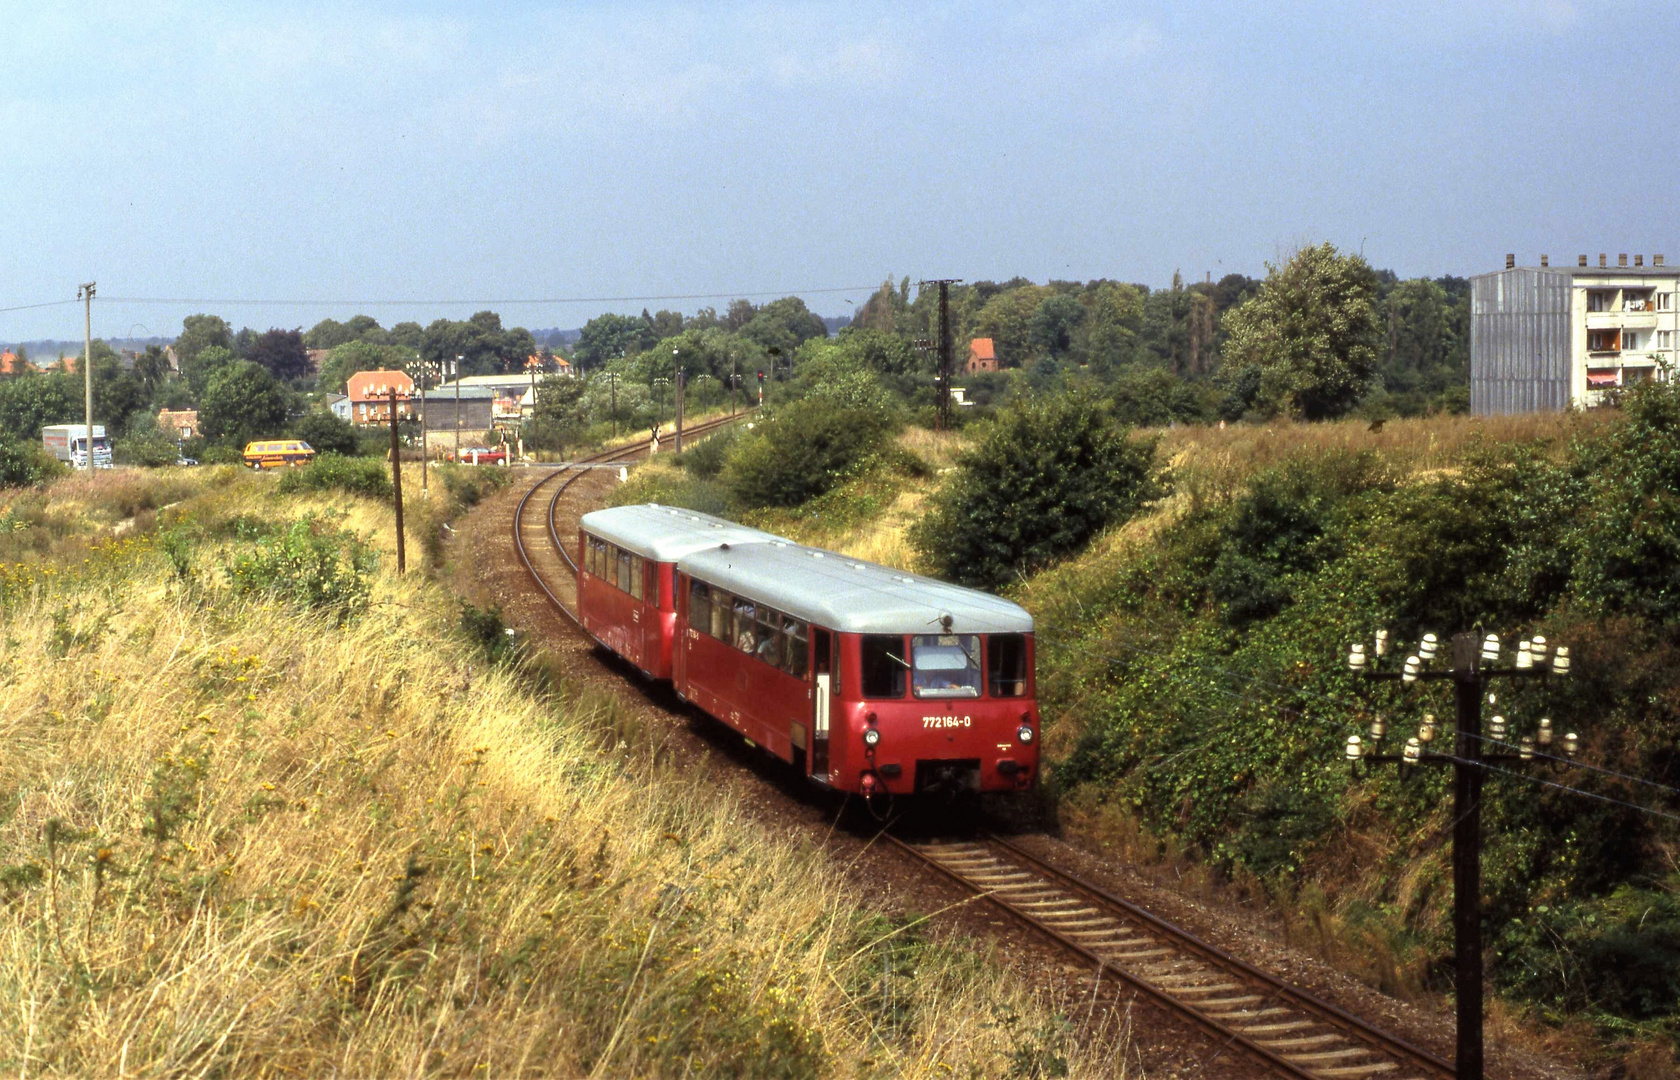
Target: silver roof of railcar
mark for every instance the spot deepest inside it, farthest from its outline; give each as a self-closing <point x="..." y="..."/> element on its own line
<point x="850" y="595"/>
<point x="666" y="533"/>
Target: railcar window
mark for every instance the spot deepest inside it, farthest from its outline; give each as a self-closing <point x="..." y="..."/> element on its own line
<point x="745" y="639"/>
<point x="722" y="604"/>
<point x="946" y="665"/>
<point x="883" y="666"/>
<point x="700" y="606"/>
<point x="769" y="635"/>
<point x="623" y="569"/>
<point x="638" y="576"/>
<point x="794" y="650"/>
<point x="1006" y="665"/>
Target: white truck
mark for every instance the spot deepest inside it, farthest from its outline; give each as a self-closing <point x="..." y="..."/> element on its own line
<point x="68" y="442"/>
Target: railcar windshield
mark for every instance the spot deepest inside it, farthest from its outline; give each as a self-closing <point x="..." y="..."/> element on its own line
<point x="946" y="665"/>
<point x="883" y="666"/>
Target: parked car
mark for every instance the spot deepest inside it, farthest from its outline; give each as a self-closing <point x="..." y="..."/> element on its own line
<point x="481" y="455"/>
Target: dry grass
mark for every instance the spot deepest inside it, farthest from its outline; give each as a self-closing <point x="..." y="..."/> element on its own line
<point x="237" y="838"/>
<point x="1216" y="461"/>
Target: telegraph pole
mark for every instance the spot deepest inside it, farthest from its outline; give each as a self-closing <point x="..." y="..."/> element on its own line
<point x="681" y="382"/>
<point x="423" y="371"/>
<point x="85" y="295"/>
<point x="1473" y="667"/>
<point x="458" y="360"/>
<point x="396" y="480"/>
<point x="942" y="387"/>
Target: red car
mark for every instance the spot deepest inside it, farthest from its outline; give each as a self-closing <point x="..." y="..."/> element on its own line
<point x="865" y="678"/>
<point x="480" y="455"/>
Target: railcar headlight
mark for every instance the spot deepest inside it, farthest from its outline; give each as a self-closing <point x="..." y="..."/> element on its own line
<point x="1024" y="733"/>
<point x="871" y="736"/>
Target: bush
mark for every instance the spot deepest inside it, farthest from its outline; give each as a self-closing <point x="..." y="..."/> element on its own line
<point x="26" y="465"/>
<point x="468" y="484"/>
<point x="801" y="451"/>
<point x="704" y="460"/>
<point x="1046" y="477"/>
<point x="326" y="433"/>
<point x="311" y="565"/>
<point x="330" y="472"/>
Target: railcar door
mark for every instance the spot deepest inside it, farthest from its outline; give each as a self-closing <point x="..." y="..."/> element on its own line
<point x="653" y="619"/>
<point x="826" y="687"/>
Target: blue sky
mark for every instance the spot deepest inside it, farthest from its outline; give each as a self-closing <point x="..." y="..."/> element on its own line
<point x="503" y="151"/>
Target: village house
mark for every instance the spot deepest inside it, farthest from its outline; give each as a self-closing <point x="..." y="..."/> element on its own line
<point x="369" y="393"/>
<point x="982" y="356"/>
<point x="178" y="424"/>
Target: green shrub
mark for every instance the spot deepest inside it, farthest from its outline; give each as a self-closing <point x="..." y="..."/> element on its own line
<point x="334" y="472"/>
<point x="1047" y="476"/>
<point x="309" y="564"/>
<point x="468" y="484"/>
<point x="801" y="451"/>
<point x="704" y="460"/>
<point x="26" y="465"/>
<point x="326" y="433"/>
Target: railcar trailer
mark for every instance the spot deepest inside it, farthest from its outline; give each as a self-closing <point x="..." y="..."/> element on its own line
<point x="625" y="592"/>
<point x="865" y="678"/>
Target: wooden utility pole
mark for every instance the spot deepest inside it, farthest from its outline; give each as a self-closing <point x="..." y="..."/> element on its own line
<point x="86" y="297"/>
<point x="396" y="482"/>
<point x="681" y="382"/>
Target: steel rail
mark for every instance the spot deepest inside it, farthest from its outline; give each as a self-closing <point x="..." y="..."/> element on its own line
<point x="578" y="470"/>
<point x="1268" y="1018"/>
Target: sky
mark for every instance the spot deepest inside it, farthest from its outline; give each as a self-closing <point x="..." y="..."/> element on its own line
<point x="282" y="163"/>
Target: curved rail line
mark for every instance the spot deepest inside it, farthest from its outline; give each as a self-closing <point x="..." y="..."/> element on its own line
<point x="610" y="456"/>
<point x="1293" y="1031"/>
<point x="1288" y="1028"/>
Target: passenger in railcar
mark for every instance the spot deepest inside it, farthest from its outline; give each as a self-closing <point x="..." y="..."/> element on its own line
<point x="746" y="640"/>
<point x="945" y="665"/>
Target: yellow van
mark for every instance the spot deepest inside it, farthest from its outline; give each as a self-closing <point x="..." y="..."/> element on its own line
<point x="272" y="455"/>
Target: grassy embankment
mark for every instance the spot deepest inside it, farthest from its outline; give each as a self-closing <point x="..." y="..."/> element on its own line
<point x="1196" y="702"/>
<point x="267" y="809"/>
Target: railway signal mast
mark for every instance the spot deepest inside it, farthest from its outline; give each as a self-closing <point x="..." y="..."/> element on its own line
<point x="1474" y="663"/>
<point x="942" y="387"/>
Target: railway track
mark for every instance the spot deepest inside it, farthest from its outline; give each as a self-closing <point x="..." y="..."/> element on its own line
<point x="547" y="560"/>
<point x="1287" y="1028"/>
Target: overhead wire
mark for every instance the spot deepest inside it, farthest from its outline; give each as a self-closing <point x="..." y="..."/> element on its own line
<point x="1583" y="793"/>
<point x="469" y="302"/>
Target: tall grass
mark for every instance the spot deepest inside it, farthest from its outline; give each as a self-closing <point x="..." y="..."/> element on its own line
<point x="237" y="837"/>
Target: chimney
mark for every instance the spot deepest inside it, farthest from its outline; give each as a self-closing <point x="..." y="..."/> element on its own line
<point x="1510" y="261"/>
<point x="1656" y="260"/>
<point x="1603" y="260"/>
<point x="1639" y="260"/>
<point x="1621" y="260"/>
<point x="1583" y="261"/>
<point x="1545" y="261"/>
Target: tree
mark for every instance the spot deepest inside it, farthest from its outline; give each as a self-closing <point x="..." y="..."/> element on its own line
<point x="802" y="451"/>
<point x="1311" y="332"/>
<point x="1052" y="326"/>
<point x="144" y="443"/>
<point x="198" y="368"/>
<point x="242" y="402"/>
<point x="1047" y="476"/>
<point x="1007" y="320"/>
<point x="610" y="337"/>
<point x="353" y="356"/>
<point x="28" y="405"/>
<point x="282" y="353"/>
<point x="740" y="313"/>
<point x="558" y="417"/>
<point x="326" y="433"/>
<point x="783" y="324"/>
<point x="151" y="368"/>
<point x="200" y="332"/>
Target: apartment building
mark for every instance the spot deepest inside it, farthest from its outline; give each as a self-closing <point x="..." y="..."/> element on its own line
<point x="1551" y="337"/>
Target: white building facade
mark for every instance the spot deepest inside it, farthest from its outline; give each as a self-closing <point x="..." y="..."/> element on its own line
<point x="1550" y="337"/>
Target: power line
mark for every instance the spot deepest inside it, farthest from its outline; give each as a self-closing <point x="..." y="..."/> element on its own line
<point x="496" y="301"/>
<point x="1579" y="764"/>
<point x="1581" y="792"/>
<point x="48" y="303"/>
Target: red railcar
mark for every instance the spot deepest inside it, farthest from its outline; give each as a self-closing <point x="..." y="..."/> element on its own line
<point x="865" y="678"/>
<point x="626" y="558"/>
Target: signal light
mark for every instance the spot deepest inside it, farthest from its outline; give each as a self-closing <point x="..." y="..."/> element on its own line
<point x="1024" y="733"/>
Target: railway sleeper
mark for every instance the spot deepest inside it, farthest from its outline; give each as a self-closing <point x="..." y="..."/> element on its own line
<point x="1263" y="1029"/>
<point x="1143" y="955"/>
<point x="1303" y="1042"/>
<point x="1078" y="920"/>
<point x="1341" y="1054"/>
<point x="1358" y="1070"/>
<point x="1186" y="991"/>
<point x="1230" y="1004"/>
